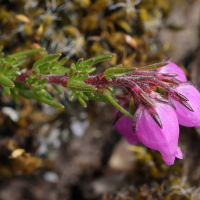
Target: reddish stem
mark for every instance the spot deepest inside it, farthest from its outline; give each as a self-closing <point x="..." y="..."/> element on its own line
<point x="97" y="81"/>
<point x="22" y="77"/>
<point x="52" y="78"/>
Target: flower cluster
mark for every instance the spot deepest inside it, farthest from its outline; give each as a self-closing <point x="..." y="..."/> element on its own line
<point x="158" y="99"/>
<point x="157" y="126"/>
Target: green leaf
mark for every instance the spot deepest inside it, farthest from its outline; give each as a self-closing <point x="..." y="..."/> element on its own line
<point x="81" y="101"/>
<point x="110" y="88"/>
<point x="95" y="60"/>
<point x="47" y="101"/>
<point x="6" y="90"/>
<point x="81" y="76"/>
<point x="44" y="60"/>
<point x="18" y="63"/>
<point x="29" y="81"/>
<point x="3" y="66"/>
<point x="61" y="71"/>
<point x="27" y="94"/>
<point x="90" y="70"/>
<point x="73" y="94"/>
<point x="14" y="96"/>
<point x="43" y="81"/>
<point x="13" y="74"/>
<point x="27" y="52"/>
<point x="79" y="62"/>
<point x="72" y="70"/>
<point x="61" y="62"/>
<point x="85" y="97"/>
<point x="43" y="93"/>
<point x="21" y="86"/>
<point x="118" y="70"/>
<point x="75" y="85"/>
<point x="6" y="82"/>
<point x="109" y="78"/>
<point x="57" y="89"/>
<point x="114" y="103"/>
<point x="43" y="67"/>
<point x="98" y="97"/>
<point x="153" y="66"/>
<point x="48" y="96"/>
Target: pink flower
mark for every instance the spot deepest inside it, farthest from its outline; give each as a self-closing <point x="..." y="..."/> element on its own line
<point x="172" y="68"/>
<point x="162" y="137"/>
<point x="124" y="126"/>
<point x="185" y="116"/>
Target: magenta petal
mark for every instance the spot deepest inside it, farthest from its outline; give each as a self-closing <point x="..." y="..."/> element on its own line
<point x="179" y="153"/>
<point x="164" y="140"/>
<point x="124" y="126"/>
<point x="168" y="159"/>
<point x="185" y="116"/>
<point x="174" y="69"/>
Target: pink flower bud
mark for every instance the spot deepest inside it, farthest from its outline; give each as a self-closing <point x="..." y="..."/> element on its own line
<point x="164" y="139"/>
<point x="185" y="116"/>
<point x="172" y="68"/>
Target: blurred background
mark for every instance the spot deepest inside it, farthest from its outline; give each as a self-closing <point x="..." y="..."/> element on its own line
<point x="75" y="153"/>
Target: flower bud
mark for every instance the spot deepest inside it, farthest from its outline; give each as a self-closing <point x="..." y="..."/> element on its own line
<point x="174" y="69"/>
<point x="185" y="116"/>
<point x="164" y="139"/>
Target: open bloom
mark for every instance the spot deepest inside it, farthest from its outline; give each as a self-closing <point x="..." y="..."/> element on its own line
<point x="174" y="69"/>
<point x="165" y="138"/>
<point x="185" y="116"/>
